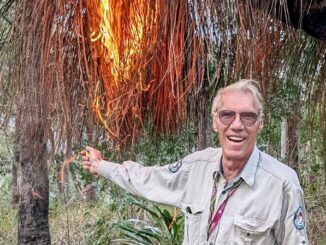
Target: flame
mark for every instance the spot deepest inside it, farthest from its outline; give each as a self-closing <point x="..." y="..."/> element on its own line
<point x="119" y="34"/>
<point x="120" y="31"/>
<point x="141" y="66"/>
<point x="97" y="109"/>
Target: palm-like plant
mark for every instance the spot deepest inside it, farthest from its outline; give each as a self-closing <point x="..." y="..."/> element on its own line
<point x="162" y="227"/>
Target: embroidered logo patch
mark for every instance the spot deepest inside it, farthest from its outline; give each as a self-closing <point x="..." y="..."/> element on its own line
<point x="299" y="219"/>
<point x="174" y="167"/>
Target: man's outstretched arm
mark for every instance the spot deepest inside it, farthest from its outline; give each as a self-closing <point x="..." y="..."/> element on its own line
<point x="162" y="184"/>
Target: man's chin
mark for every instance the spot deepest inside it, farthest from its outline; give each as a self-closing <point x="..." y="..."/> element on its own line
<point x="235" y="155"/>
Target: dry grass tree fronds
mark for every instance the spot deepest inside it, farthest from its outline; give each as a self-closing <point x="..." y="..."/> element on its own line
<point x="146" y="54"/>
<point x="121" y="63"/>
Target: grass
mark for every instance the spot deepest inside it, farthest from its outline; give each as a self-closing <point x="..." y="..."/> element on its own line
<point x="317" y="224"/>
<point x="8" y="221"/>
<point x="8" y="225"/>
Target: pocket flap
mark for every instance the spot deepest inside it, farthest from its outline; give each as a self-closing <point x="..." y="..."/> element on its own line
<point x="252" y="225"/>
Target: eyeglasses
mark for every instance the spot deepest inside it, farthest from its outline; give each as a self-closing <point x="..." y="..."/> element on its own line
<point x="247" y="118"/>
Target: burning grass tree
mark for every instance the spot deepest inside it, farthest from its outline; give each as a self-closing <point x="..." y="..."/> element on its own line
<point x="62" y="74"/>
<point x="147" y="54"/>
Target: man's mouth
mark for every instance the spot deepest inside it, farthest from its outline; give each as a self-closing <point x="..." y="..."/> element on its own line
<point x="236" y="139"/>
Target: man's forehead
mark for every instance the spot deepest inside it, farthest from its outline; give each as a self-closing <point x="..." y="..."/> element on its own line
<point x="235" y="96"/>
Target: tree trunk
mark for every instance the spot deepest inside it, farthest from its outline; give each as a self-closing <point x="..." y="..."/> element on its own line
<point x="290" y="141"/>
<point x="33" y="130"/>
<point x="293" y="141"/>
<point x="34" y="203"/>
<point x="202" y="121"/>
<point x="284" y="139"/>
<point x="203" y="114"/>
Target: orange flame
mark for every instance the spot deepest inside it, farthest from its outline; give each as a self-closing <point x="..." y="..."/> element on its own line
<point x="139" y="48"/>
<point x="118" y="34"/>
<point x="121" y="42"/>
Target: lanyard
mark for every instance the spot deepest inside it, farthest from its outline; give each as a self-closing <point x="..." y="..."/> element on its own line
<point x="216" y="219"/>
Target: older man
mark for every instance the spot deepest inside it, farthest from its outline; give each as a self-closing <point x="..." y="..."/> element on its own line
<point x="235" y="194"/>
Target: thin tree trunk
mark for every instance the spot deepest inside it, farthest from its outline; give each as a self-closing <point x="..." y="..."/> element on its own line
<point x="293" y="141"/>
<point x="284" y="139"/>
<point x="290" y="140"/>
<point x="32" y="131"/>
<point x="203" y="112"/>
<point x="34" y="204"/>
<point x="202" y="122"/>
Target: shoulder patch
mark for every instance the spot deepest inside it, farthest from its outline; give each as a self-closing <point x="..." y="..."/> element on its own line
<point x="299" y="219"/>
<point x="174" y="167"/>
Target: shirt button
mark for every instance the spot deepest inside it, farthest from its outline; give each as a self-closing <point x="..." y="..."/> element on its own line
<point x="303" y="242"/>
<point x="223" y="192"/>
<point x="248" y="234"/>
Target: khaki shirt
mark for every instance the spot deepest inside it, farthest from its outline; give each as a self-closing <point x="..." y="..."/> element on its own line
<point x="266" y="208"/>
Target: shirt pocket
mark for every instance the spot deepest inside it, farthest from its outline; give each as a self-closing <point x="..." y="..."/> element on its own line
<point x="193" y="217"/>
<point x="249" y="231"/>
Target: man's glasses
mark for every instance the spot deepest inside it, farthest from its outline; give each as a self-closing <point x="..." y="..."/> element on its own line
<point x="247" y="118"/>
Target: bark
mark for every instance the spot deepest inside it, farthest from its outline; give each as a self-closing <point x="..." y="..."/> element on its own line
<point x="34" y="204"/>
<point x="284" y="137"/>
<point x="203" y="115"/>
<point x="202" y="110"/>
<point x="290" y="142"/>
<point x="202" y="122"/>
<point x="32" y="133"/>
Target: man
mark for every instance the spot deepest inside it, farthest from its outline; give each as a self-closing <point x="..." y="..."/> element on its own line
<point x="235" y="194"/>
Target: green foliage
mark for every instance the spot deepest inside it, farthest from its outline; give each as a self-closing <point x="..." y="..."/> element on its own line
<point x="8" y="222"/>
<point x="281" y="103"/>
<point x="165" y="149"/>
<point x="160" y="229"/>
<point x="99" y="229"/>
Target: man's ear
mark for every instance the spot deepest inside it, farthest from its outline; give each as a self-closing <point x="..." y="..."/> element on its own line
<point x="261" y="123"/>
<point x="215" y="125"/>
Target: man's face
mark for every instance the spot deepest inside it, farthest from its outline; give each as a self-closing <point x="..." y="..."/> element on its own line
<point x="237" y="140"/>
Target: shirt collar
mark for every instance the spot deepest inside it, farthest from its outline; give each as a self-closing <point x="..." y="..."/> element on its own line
<point x="249" y="171"/>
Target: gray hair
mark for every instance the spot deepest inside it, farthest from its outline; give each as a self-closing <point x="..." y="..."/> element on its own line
<point x="244" y="85"/>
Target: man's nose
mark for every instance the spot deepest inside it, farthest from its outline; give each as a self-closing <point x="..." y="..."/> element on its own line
<point x="237" y="123"/>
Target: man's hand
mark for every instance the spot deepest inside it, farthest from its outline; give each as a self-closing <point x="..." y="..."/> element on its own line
<point x="91" y="158"/>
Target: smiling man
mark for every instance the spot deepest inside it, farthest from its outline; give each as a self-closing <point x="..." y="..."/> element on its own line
<point x="235" y="194"/>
